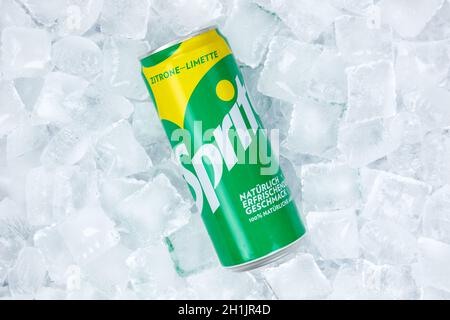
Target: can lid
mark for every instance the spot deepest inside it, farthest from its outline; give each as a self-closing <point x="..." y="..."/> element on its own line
<point x="177" y="41"/>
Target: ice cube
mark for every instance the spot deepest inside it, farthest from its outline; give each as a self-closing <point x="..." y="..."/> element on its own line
<point x="26" y="138"/>
<point x="11" y="113"/>
<point x="430" y="293"/>
<point x="78" y="56"/>
<point x="435" y="156"/>
<point x="25" y="52"/>
<point x="328" y="78"/>
<point x="405" y="161"/>
<point x="148" y="212"/>
<point x="355" y="6"/>
<point x="220" y="284"/>
<point x="360" y="41"/>
<point x="29" y="90"/>
<point x="66" y="147"/>
<point x="45" y="13"/>
<point x="118" y="152"/>
<point x="434" y="259"/>
<point x="334" y="233"/>
<point x="409" y="18"/>
<point x="386" y="242"/>
<point x="152" y="273"/>
<point x="158" y="32"/>
<point x="114" y="190"/>
<point x="398" y="199"/>
<point x="146" y="124"/>
<point x="88" y="234"/>
<point x="365" y="142"/>
<point x="52" y="194"/>
<point x="314" y="128"/>
<point x="121" y="67"/>
<point x="299" y="278"/>
<point x="249" y="30"/>
<point x="287" y="69"/>
<point x="79" y="16"/>
<point x="421" y="64"/>
<point x="363" y="280"/>
<point x="186" y="16"/>
<point x="57" y="256"/>
<point x="96" y="108"/>
<point x="28" y="273"/>
<point x="307" y="19"/>
<point x="436" y="215"/>
<point x="126" y="18"/>
<point x="371" y="91"/>
<point x="329" y="187"/>
<point x="438" y="28"/>
<point x="13" y="15"/>
<point x="109" y="272"/>
<point x="431" y="106"/>
<point x="190" y="248"/>
<point x="50" y="293"/>
<point x="57" y="86"/>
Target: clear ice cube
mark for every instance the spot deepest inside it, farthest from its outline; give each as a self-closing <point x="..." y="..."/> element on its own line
<point x="334" y="233"/>
<point x="57" y="256"/>
<point x="220" y="284"/>
<point x="67" y="147"/>
<point x="78" y="56"/>
<point x="11" y="113"/>
<point x="436" y="215"/>
<point x="371" y="91"/>
<point x="125" y="18"/>
<point x="328" y="187"/>
<point x="122" y="68"/>
<point x="409" y="17"/>
<point x="386" y="242"/>
<point x="88" y="234"/>
<point x="118" y="152"/>
<point x="57" y="86"/>
<point x="360" y="41"/>
<point x="398" y="199"/>
<point x="328" y="78"/>
<point x="249" y="30"/>
<point x="363" y="280"/>
<point x="113" y="278"/>
<point x="26" y="52"/>
<point x="307" y="19"/>
<point x="298" y="278"/>
<point x="434" y="259"/>
<point x="27" y="275"/>
<point x="314" y="128"/>
<point x="287" y="68"/>
<point x="53" y="194"/>
<point x="435" y="156"/>
<point x="365" y="142"/>
<point x="190" y="248"/>
<point x="186" y="16"/>
<point x="150" y="211"/>
<point x="152" y="274"/>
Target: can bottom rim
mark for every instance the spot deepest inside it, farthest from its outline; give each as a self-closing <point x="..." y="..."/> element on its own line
<point x="267" y="259"/>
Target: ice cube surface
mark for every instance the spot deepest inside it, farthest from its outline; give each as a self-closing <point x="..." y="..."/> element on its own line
<point x="26" y="52"/>
<point x="354" y="94"/>
<point x="334" y="233"/>
<point x="125" y="18"/>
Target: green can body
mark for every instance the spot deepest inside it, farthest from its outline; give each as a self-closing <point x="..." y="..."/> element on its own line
<point x="218" y="140"/>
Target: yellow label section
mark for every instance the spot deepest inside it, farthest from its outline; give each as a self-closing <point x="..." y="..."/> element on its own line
<point x="174" y="80"/>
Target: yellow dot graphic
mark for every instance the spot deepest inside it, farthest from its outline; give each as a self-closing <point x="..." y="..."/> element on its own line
<point x="225" y="90"/>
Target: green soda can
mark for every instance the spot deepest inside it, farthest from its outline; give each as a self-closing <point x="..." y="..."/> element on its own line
<point x="218" y="139"/>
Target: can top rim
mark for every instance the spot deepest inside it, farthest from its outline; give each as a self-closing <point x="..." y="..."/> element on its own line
<point x="177" y="41"/>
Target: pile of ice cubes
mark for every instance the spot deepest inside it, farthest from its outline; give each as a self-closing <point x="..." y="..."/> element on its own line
<point x="92" y="207"/>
